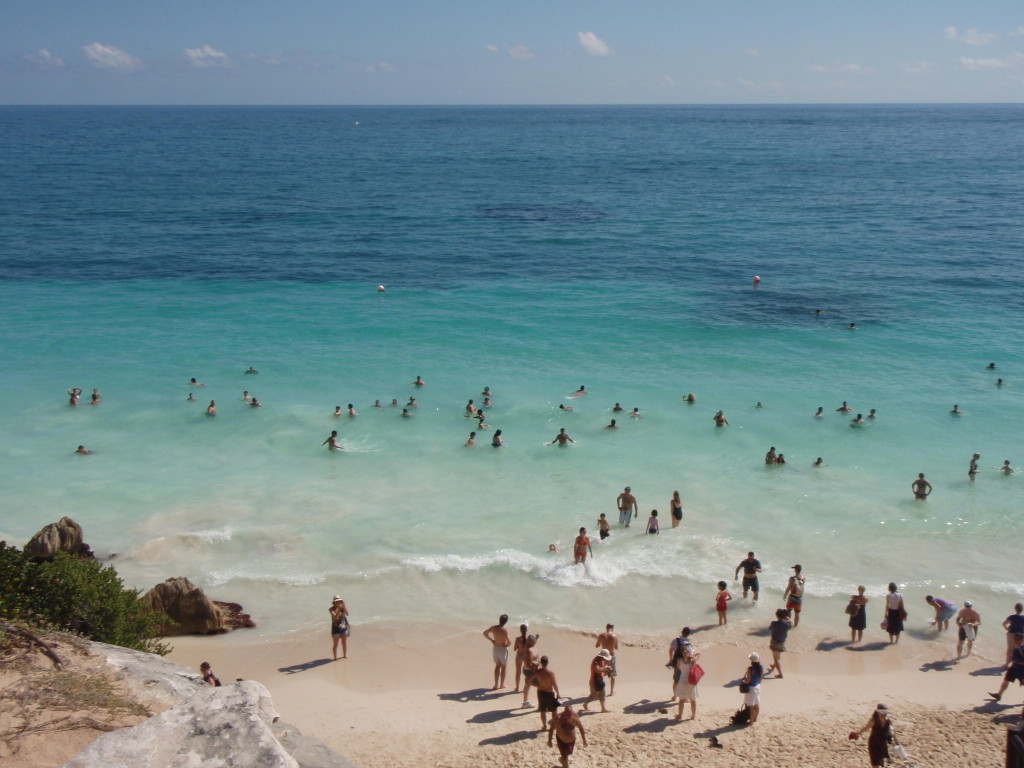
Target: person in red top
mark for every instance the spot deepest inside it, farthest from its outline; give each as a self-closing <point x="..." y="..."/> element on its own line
<point x="598" y="669"/>
<point x="582" y="547"/>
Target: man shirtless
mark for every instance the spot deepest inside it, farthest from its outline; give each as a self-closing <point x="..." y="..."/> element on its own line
<point x="794" y="594"/>
<point x="610" y="642"/>
<point x="530" y="666"/>
<point x="332" y="441"/>
<point x="547" y="692"/>
<point x="564" y="725"/>
<point x="562" y="438"/>
<point x="500" y="641"/>
<point x="627" y="503"/>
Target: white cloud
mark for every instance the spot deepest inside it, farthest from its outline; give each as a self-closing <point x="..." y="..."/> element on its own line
<point x="45" y="60"/>
<point x="755" y="52"/>
<point x="492" y="48"/>
<point x="1009" y="62"/>
<point x="520" y="52"/>
<point x="206" y="57"/>
<point x="594" y="45"/>
<point x="380" y="66"/>
<point x="916" y="68"/>
<point x="843" y="69"/>
<point x="111" y="58"/>
<point x="971" y="36"/>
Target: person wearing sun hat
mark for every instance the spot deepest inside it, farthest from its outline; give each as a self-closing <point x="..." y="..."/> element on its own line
<point x="599" y="666"/>
<point x="340" y="628"/>
<point x="752" y="680"/>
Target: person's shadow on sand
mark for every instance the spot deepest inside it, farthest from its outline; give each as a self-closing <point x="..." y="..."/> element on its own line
<point x="652" y="726"/>
<point x="988" y="672"/>
<point x="473" y="694"/>
<point x="510" y="738"/>
<point x="877" y="645"/>
<point x="495" y="715"/>
<point x="830" y="645"/>
<point x="306" y="665"/>
<point x="942" y="665"/>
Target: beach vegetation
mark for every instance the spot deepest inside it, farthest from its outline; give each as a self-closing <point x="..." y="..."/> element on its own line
<point x="76" y="595"/>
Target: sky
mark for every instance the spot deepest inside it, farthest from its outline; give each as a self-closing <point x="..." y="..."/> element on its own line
<point x="510" y="51"/>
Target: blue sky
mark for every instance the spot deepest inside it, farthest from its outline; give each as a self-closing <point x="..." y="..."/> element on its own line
<point x="509" y="52"/>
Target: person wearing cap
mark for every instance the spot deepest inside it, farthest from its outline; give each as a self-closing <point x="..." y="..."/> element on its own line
<point x="794" y="594"/>
<point x="599" y="667"/>
<point x="878" y="745"/>
<point x="967" y="621"/>
<point x="340" y="628"/>
<point x="752" y="679"/>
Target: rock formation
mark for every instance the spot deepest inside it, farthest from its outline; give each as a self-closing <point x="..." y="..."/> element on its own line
<point x="62" y="536"/>
<point x="191" y="612"/>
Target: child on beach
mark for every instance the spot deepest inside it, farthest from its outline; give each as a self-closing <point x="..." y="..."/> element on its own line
<point x="722" y="603"/>
<point x="652" y="522"/>
<point x="604" y="527"/>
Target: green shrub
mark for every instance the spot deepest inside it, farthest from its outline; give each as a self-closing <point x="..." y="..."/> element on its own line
<point x="81" y="596"/>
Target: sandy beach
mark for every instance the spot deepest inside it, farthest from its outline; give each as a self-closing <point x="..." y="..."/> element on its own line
<point x="414" y="695"/>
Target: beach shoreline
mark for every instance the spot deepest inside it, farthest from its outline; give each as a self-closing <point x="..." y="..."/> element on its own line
<point x="419" y="693"/>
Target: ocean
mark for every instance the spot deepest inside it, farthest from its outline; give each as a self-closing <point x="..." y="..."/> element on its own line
<point x="530" y="250"/>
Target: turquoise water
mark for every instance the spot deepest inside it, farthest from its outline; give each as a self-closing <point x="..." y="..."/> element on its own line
<point x="530" y="251"/>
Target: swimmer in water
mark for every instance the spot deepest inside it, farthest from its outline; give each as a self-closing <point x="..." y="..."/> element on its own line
<point x="95" y="398"/>
<point x="211" y="409"/>
<point x="612" y="425"/>
<point x="497" y="441"/>
<point x="563" y="407"/>
<point x="480" y="423"/>
<point x="818" y="463"/>
<point x="991" y="366"/>
<point x="332" y="442"/>
<point x="821" y="412"/>
<point x="470" y="408"/>
<point x="562" y="438"/>
<point x="1006" y="469"/>
<point x="921" y="487"/>
<point x="352" y="411"/>
<point x="617" y="409"/>
<point x="412" y="403"/>
<point x="376" y="404"/>
<point x="406" y="414"/>
<point x="871" y="414"/>
<point x="635" y="414"/>
<point x="419" y="382"/>
<point x="486" y="392"/>
<point x="580" y="392"/>
<point x="394" y="402"/>
<point x="858" y="421"/>
<point x="256" y="403"/>
<point x="73" y="394"/>
<point x="780" y="459"/>
<point x="487" y="402"/>
<point x="759" y="404"/>
<point x="851" y="327"/>
<point x="769" y="458"/>
<point x="337" y="411"/>
<point x="999" y="382"/>
<point x="195" y="383"/>
<point x="844" y="408"/>
<point x="246" y="396"/>
<point x="251" y="370"/>
<point x="191" y="397"/>
<point x="690" y="398"/>
<point x="472" y="439"/>
<point x="818" y="312"/>
<point x="720" y="420"/>
<point x="956" y="410"/>
<point x="83" y="450"/>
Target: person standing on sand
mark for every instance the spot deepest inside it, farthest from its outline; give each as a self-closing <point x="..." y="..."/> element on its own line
<point x="779" y="630"/>
<point x="878" y="746"/>
<point x="944" y="611"/>
<point x="677" y="509"/>
<point x="340" y="627"/>
<point x="684" y="690"/>
<point x="497" y="634"/>
<point x="859" y="618"/>
<point x="626" y="503"/>
<point x="794" y="594"/>
<point x="751" y="567"/>
<point x="675" y="649"/>
<point x="547" y="692"/>
<point x="530" y="664"/>
<point x="1014" y="625"/>
<point x="519" y="648"/>
<point x="752" y="679"/>
<point x="563" y="728"/>
<point x="895" y="613"/>
<point x="581" y="547"/>
<point x="598" y="670"/>
<point x="609" y="641"/>
<point x="921" y="487"/>
<point x="967" y="621"/>
<point x="722" y="603"/>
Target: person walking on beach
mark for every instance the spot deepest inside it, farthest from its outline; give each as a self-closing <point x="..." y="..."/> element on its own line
<point x="563" y="728"/>
<point x="598" y="670"/>
<point x="497" y="634"/>
<point x="332" y="441"/>
<point x="794" y="594"/>
<point x="562" y="438"/>
<point x="685" y="690"/>
<point x="1014" y="625"/>
<point x="519" y="649"/>
<point x="751" y="567"/>
<point x="972" y="468"/>
<point x="547" y="692"/>
<point x="752" y="681"/>
<point x="967" y="622"/>
<point x="609" y="641"/>
<point x="677" y="509"/>
<point x="340" y="627"/>
<point x="722" y="603"/>
<point x="858" y="615"/>
<point x="675" y="648"/>
<point x="779" y="631"/>
<point x="878" y="740"/>
<point x="581" y="547"/>
<point x="895" y="613"/>
<point x="921" y="487"/>
<point x="626" y="503"/>
<point x="944" y="611"/>
<point x="1014" y="667"/>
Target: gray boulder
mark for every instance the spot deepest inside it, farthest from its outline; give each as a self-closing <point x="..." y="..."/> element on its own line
<point x="62" y="536"/>
<point x="153" y="680"/>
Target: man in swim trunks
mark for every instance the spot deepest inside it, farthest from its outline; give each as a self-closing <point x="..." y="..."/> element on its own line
<point x="500" y="641"/>
<point x="610" y="642"/>
<point x="627" y="503"/>
<point x="582" y="547"/>
<point x="604" y="526"/>
<point x="751" y="567"/>
<point x="921" y="487"/>
<point x="564" y="725"/>
<point x="547" y="691"/>
<point x="562" y="438"/>
<point x="794" y="594"/>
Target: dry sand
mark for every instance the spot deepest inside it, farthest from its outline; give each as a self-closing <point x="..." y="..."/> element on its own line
<point x="419" y="695"/>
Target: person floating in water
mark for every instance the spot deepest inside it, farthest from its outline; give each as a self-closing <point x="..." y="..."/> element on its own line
<point x="635" y="414"/>
<point x="83" y="450"/>
<point x="352" y="411"/>
<point x="612" y="425"/>
<point x="564" y="407"/>
<point x="472" y="439"/>
<point x="256" y="403"/>
<point x="991" y="366"/>
<point x="858" y="421"/>
<point x="412" y="403"/>
<point x="337" y="411"/>
<point x="844" y="408"/>
<point x="580" y="392"/>
<point x="195" y="383"/>
<point x="851" y="327"/>
<point x="1006" y="469"/>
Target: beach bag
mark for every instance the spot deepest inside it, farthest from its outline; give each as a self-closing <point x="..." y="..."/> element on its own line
<point x="851" y="609"/>
<point x="744" y="687"/>
<point x="696" y="673"/>
<point x="884" y="625"/>
<point x="899" y="752"/>
<point x="741" y="716"/>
